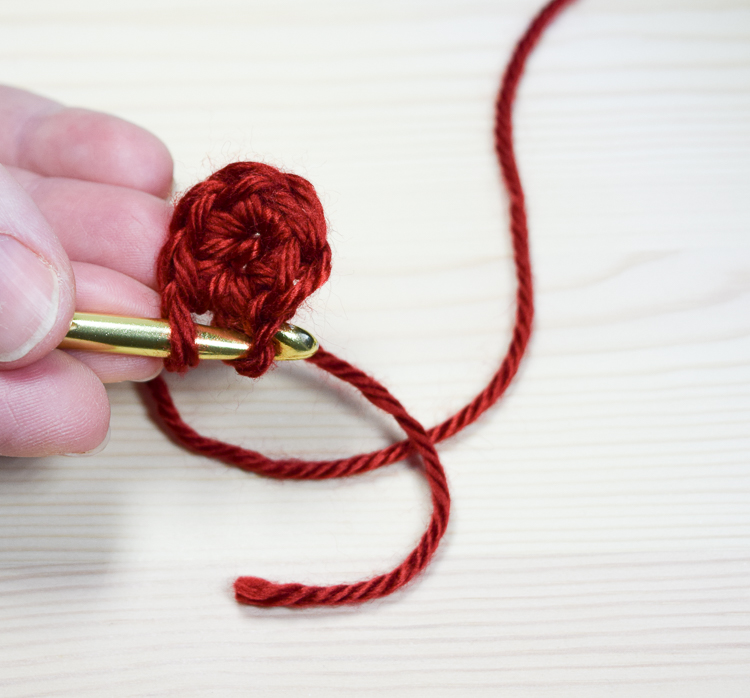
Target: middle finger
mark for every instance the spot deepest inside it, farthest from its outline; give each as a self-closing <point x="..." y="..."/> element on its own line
<point x="115" y="227"/>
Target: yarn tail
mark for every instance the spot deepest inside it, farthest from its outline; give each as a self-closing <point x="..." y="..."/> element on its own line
<point x="261" y="592"/>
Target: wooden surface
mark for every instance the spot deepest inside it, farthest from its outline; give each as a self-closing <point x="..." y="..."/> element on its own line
<point x="600" y="541"/>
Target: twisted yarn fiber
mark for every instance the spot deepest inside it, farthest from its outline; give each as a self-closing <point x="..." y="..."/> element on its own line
<point x="248" y="245"/>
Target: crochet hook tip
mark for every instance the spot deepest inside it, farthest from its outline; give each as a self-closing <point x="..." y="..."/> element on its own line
<point x="116" y="334"/>
<point x="294" y="343"/>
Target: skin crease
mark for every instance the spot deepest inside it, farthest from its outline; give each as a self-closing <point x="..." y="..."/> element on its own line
<point x="86" y="193"/>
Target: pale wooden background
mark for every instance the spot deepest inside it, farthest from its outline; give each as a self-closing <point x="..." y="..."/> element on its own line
<point x="600" y="543"/>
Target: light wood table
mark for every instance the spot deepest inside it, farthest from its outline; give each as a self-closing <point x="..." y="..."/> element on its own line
<point x="600" y="540"/>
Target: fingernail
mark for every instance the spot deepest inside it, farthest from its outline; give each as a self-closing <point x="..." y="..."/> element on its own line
<point x="148" y="378"/>
<point x="29" y="297"/>
<point x="94" y="451"/>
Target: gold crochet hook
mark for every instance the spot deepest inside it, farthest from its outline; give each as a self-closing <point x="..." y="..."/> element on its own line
<point x="114" y="334"/>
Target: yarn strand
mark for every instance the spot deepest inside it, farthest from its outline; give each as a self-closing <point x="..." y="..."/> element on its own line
<point x="261" y="592"/>
<point x="248" y="245"/>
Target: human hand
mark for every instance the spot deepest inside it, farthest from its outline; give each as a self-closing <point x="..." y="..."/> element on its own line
<point x="82" y="217"/>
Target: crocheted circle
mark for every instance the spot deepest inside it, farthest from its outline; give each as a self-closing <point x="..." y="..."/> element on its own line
<point x="247" y="245"/>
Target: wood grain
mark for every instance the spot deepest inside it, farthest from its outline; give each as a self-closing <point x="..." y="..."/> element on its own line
<point x="600" y="543"/>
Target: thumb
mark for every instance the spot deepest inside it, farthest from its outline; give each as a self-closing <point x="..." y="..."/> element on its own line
<point x="37" y="288"/>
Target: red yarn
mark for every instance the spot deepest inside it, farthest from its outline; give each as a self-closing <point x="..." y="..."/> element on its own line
<point x="248" y="245"/>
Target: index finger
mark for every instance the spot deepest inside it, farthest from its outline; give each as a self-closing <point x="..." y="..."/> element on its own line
<point x="43" y="136"/>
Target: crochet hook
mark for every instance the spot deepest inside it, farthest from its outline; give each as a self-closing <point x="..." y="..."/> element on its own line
<point x="144" y="337"/>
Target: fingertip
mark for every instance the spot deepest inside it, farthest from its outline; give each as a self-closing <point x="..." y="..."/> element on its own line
<point x="111" y="368"/>
<point x="103" y="290"/>
<point x="56" y="405"/>
<point x="94" y="451"/>
<point x="89" y="145"/>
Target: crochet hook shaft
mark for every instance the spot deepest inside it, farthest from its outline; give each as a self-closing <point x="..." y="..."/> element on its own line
<point x="143" y="337"/>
